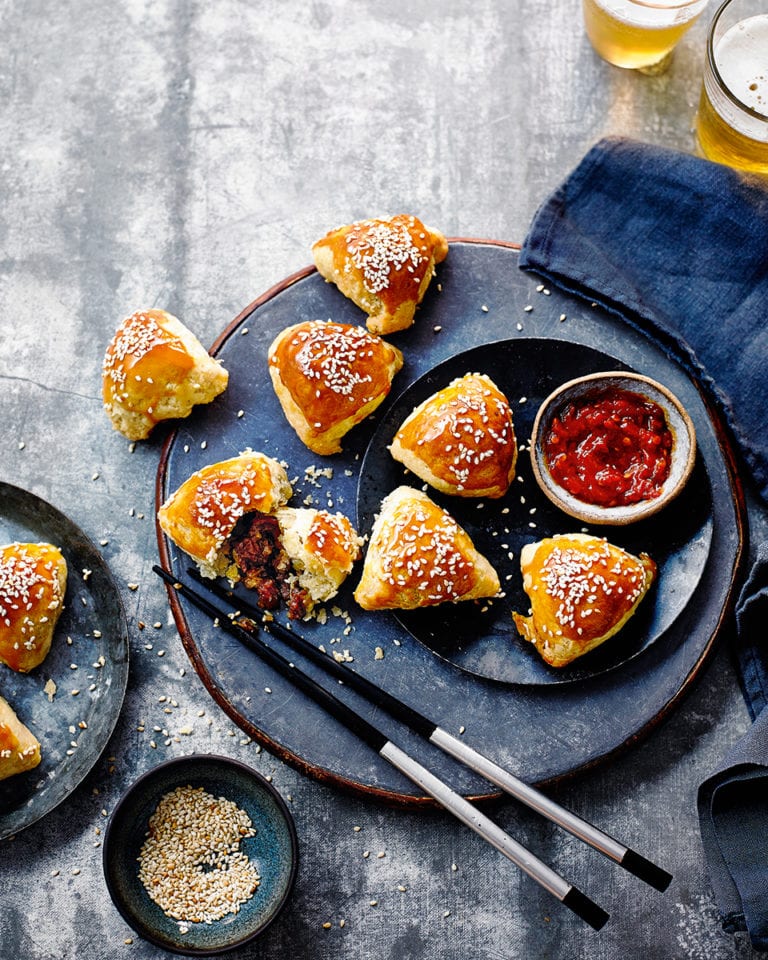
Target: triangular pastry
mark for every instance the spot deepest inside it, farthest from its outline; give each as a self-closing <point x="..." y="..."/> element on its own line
<point x="296" y="556"/>
<point x="461" y="440"/>
<point x="156" y="369"/>
<point x="202" y="513"/>
<point x="329" y="377"/>
<point x="231" y="518"/>
<point x="582" y="591"/>
<point x="33" y="580"/>
<point x="382" y="265"/>
<point x="19" y="747"/>
<point x="418" y="556"/>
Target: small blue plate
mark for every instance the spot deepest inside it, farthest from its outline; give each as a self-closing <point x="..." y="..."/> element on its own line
<point x="273" y="851"/>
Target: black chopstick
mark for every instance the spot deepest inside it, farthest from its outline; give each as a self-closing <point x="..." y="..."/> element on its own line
<point x="634" y="862"/>
<point x="569" y="895"/>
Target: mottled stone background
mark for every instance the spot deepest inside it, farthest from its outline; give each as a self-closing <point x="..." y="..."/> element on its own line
<point x="186" y="155"/>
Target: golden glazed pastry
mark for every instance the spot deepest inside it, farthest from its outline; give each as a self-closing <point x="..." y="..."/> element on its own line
<point x="298" y="557"/>
<point x="19" y="747"/>
<point x="582" y="591"/>
<point x="33" y="580"/>
<point x="384" y="266"/>
<point x="329" y="377"/>
<point x="322" y="546"/>
<point x="200" y="516"/>
<point x="156" y="369"/>
<point x="461" y="440"/>
<point x="418" y="556"/>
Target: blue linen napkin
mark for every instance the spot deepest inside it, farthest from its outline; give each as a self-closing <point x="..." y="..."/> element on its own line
<point x="678" y="247"/>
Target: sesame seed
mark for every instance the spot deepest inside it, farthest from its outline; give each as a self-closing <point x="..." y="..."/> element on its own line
<point x="191" y="862"/>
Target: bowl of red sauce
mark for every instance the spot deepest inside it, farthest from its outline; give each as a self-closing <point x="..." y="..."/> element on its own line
<point x="612" y="447"/>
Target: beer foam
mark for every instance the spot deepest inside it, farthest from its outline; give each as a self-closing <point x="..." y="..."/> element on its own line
<point x="652" y="14"/>
<point x="740" y="55"/>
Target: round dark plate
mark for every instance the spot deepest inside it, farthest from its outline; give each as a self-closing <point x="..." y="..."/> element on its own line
<point x="542" y="731"/>
<point x="73" y="727"/>
<point x="273" y="851"/>
<point x="480" y="637"/>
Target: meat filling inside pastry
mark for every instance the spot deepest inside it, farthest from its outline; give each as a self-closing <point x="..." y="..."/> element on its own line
<point x="582" y="591"/>
<point x="383" y="265"/>
<point x="202" y="513"/>
<point x="461" y="440"/>
<point x="418" y="556"/>
<point x="298" y="557"/>
<point x="231" y="518"/>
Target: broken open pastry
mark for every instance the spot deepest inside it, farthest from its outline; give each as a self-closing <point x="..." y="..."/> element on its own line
<point x="297" y="556"/>
<point x="231" y="518"/>
<point x="33" y="580"/>
<point x="461" y="440"/>
<point x="19" y="747"/>
<point x="382" y="265"/>
<point x="329" y="377"/>
<point x="155" y="369"/>
<point x="200" y="516"/>
<point x="582" y="591"/>
<point x="418" y="556"/>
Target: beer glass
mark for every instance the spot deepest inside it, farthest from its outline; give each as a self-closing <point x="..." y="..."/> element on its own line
<point x="732" y="119"/>
<point x="639" y="34"/>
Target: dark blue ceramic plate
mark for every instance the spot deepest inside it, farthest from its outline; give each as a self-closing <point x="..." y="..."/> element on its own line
<point x="481" y="638"/>
<point x="273" y="851"/>
<point x="94" y="621"/>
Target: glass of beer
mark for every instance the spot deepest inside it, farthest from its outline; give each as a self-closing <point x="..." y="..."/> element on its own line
<point x="732" y="120"/>
<point x="639" y="34"/>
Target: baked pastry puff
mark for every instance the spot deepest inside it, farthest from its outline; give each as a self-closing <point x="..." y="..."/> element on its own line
<point x="156" y="369"/>
<point x="384" y="266"/>
<point x="461" y="440"/>
<point x="19" y="747"/>
<point x="33" y="580"/>
<point x="298" y="557"/>
<point x="418" y="556"/>
<point x="202" y="513"/>
<point x="322" y="546"/>
<point x="329" y="377"/>
<point x="582" y="591"/>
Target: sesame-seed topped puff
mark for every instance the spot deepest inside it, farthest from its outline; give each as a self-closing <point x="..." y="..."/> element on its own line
<point x="461" y="440"/>
<point x="295" y="557"/>
<point x="418" y="556"/>
<point x="329" y="377"/>
<point x="202" y="513"/>
<point x="19" y="747"/>
<point x="156" y="369"/>
<point x="582" y="591"/>
<point x="383" y="266"/>
<point x="323" y="547"/>
<point x="33" y="581"/>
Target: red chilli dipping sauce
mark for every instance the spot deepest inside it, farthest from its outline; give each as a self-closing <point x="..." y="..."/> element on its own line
<point x="610" y="448"/>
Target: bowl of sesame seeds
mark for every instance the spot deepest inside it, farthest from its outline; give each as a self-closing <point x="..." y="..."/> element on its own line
<point x="200" y="855"/>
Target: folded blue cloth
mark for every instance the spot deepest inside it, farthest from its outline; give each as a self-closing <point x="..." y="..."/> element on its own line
<point x="733" y="813"/>
<point x="678" y="246"/>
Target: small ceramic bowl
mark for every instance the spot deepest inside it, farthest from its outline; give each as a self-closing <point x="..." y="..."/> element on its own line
<point x="683" y="453"/>
<point x="273" y="851"/>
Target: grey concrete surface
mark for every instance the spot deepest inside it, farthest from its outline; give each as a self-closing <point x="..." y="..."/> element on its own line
<point x="186" y="155"/>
